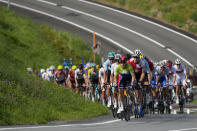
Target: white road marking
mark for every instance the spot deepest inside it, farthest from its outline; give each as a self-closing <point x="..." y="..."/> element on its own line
<point x="188" y="129"/>
<point x="139" y="18"/>
<point x="122" y="27"/>
<point x="71" y="23"/>
<point x="56" y="126"/>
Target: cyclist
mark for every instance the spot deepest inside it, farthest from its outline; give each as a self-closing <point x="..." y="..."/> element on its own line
<point x="107" y="74"/>
<point x="139" y="70"/>
<point x="114" y="88"/>
<point x="94" y="80"/>
<point x="171" y="77"/>
<point x="160" y="79"/>
<point x="43" y="74"/>
<point x="51" y="74"/>
<point x="124" y="75"/>
<point x="60" y="76"/>
<point x="80" y="79"/>
<point x="148" y="74"/>
<point x="101" y="81"/>
<point x="71" y="77"/>
<point x="180" y="76"/>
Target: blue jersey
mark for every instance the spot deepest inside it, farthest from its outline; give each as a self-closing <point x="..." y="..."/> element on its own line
<point x="107" y="65"/>
<point x="147" y="69"/>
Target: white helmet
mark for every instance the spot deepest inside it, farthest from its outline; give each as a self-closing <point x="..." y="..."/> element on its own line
<point x="117" y="57"/>
<point x="29" y="69"/>
<point x="137" y="52"/>
<point x="177" y="61"/>
<point x="42" y="70"/>
<point x="52" y="67"/>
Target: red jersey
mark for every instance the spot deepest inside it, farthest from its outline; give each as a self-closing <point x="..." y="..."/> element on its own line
<point x="136" y="67"/>
<point x="71" y="74"/>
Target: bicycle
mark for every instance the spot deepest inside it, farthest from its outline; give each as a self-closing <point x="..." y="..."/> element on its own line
<point x="181" y="97"/>
<point x="161" y="106"/>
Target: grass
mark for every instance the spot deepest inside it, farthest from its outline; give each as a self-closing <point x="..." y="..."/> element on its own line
<point x="180" y="13"/>
<point x="24" y="98"/>
<point x="194" y="101"/>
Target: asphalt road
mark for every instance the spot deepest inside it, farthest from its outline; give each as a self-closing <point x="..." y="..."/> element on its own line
<point x="114" y="28"/>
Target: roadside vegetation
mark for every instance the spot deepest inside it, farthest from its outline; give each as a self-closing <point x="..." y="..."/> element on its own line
<point x="180" y="13"/>
<point x="25" y="98"/>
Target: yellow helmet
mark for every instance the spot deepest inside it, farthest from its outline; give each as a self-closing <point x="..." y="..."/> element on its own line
<point x="141" y="56"/>
<point x="74" y="67"/>
<point x="97" y="67"/>
<point x="60" y="67"/>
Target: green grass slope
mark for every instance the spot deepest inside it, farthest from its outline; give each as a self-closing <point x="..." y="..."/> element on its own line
<point x="180" y="13"/>
<point x="24" y="98"/>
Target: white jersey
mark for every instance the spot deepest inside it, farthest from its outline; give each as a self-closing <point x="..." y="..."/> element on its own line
<point x="44" y="76"/>
<point x="113" y="68"/>
<point x="161" y="74"/>
<point x="50" y="76"/>
<point x="179" y="73"/>
<point x="101" y="74"/>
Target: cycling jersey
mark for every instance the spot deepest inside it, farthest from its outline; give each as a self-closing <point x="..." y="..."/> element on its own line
<point x="162" y="76"/>
<point x="107" y="68"/>
<point x="79" y="75"/>
<point x="147" y="69"/>
<point x="101" y="74"/>
<point x="71" y="75"/>
<point x="94" y="77"/>
<point x="113" y="68"/>
<point x="124" y="75"/>
<point x="50" y="76"/>
<point x="137" y="68"/>
<point x="60" y="77"/>
<point x="107" y="65"/>
<point x="180" y="74"/>
<point x="171" y="76"/>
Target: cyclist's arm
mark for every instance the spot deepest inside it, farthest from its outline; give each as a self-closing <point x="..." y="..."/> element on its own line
<point x="116" y="76"/>
<point x="174" y="79"/>
<point x="142" y="75"/>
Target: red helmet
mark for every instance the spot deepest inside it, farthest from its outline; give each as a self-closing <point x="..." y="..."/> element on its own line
<point x="123" y="59"/>
<point x="169" y="63"/>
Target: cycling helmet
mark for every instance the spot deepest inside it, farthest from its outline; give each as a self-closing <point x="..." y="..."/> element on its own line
<point x="60" y="67"/>
<point x="42" y="70"/>
<point x="93" y="65"/>
<point x="97" y="67"/>
<point x="169" y="63"/>
<point x="52" y="67"/>
<point x="74" y="67"/>
<point x="137" y="53"/>
<point x="111" y="55"/>
<point x="141" y="56"/>
<point x="177" y="61"/>
<point x="66" y="67"/>
<point x="117" y="57"/>
<point x="123" y="59"/>
<point x="88" y="65"/>
<point x="81" y="66"/>
<point x="29" y="69"/>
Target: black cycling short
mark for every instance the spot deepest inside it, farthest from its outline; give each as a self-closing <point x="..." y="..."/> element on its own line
<point x="81" y="81"/>
<point x="61" y="82"/>
<point x="108" y="76"/>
